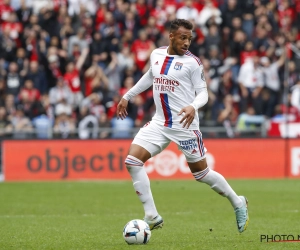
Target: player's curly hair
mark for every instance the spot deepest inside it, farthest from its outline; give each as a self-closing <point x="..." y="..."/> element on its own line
<point x="175" y="24"/>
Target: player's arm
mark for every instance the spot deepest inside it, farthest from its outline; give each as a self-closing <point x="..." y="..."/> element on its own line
<point x="200" y="100"/>
<point x="144" y="83"/>
<point x="198" y="79"/>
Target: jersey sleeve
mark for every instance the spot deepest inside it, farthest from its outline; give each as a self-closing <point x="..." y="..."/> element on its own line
<point x="144" y="83"/>
<point x="198" y="80"/>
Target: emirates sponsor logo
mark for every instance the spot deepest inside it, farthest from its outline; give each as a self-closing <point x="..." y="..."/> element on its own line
<point x="164" y="81"/>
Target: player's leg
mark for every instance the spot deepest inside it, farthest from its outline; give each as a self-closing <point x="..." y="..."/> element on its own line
<point x="140" y="151"/>
<point x="135" y="165"/>
<point x="191" y="144"/>
<point x="218" y="183"/>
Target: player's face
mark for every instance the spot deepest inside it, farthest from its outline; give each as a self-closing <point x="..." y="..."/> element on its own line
<point x="181" y="40"/>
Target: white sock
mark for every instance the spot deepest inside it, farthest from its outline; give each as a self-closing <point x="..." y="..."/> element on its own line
<point x="141" y="185"/>
<point x="218" y="183"/>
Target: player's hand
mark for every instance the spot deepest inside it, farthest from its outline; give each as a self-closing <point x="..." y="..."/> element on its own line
<point x="121" y="109"/>
<point x="189" y="114"/>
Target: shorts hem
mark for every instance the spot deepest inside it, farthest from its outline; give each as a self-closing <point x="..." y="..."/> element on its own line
<point x="152" y="148"/>
<point x="196" y="160"/>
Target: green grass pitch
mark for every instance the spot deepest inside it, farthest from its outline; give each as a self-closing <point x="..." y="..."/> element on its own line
<point x="91" y="215"/>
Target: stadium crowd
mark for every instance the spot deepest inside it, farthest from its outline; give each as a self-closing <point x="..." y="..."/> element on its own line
<point x="65" y="64"/>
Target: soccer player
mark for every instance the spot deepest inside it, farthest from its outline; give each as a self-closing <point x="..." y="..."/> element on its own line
<point x="179" y="90"/>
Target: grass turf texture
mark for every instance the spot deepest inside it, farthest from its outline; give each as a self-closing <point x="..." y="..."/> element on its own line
<point x="91" y="215"/>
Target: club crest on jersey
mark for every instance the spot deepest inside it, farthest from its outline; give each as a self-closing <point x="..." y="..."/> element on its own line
<point x="178" y="66"/>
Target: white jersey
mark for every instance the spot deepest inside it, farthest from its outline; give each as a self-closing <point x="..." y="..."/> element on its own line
<point x="176" y="81"/>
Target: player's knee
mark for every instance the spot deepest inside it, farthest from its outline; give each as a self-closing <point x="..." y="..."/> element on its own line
<point x="132" y="161"/>
<point x="201" y="174"/>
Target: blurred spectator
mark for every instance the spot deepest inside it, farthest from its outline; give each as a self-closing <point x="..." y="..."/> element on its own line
<point x="21" y="124"/>
<point x="248" y="52"/>
<point x="215" y="60"/>
<point x="23" y="10"/>
<point x="2" y="91"/>
<point x="66" y="29"/>
<point x="293" y="75"/>
<point x="261" y="39"/>
<point x="47" y="108"/>
<point x="22" y="61"/>
<point x="113" y="73"/>
<point x="160" y="14"/>
<point x="5" y="124"/>
<point x="226" y="88"/>
<point x="112" y="109"/>
<point x="109" y="29"/>
<point x="90" y="5"/>
<point x="228" y="115"/>
<point x="104" y="125"/>
<point x="119" y="12"/>
<point x="63" y="108"/>
<point x="5" y="10"/>
<point x="295" y="98"/>
<point x="139" y="111"/>
<point x="209" y="15"/>
<point x="230" y="11"/>
<point x="187" y="11"/>
<point x="31" y="93"/>
<point x="13" y="79"/>
<point x="37" y="75"/>
<point x="93" y="104"/>
<point x="142" y="10"/>
<point x="8" y="45"/>
<point x="54" y="66"/>
<point x="37" y="5"/>
<point x="296" y="56"/>
<point x="99" y="45"/>
<point x="14" y="26"/>
<point x="3" y="66"/>
<point x="152" y="31"/>
<point x="122" y="128"/>
<point x="100" y="15"/>
<point x="213" y="37"/>
<point x="88" y="127"/>
<point x="60" y="93"/>
<point x="248" y="9"/>
<point x="142" y="49"/>
<point x="64" y="126"/>
<point x="95" y="79"/>
<point x="237" y="45"/>
<point x="128" y="84"/>
<point x="78" y="39"/>
<point x="272" y="82"/>
<point x="72" y="79"/>
<point x="125" y="59"/>
<point x="248" y="120"/>
<point x="286" y="112"/>
<point x="251" y="83"/>
<point x="131" y="23"/>
<point x="10" y="105"/>
<point x="74" y="7"/>
<point x="43" y="125"/>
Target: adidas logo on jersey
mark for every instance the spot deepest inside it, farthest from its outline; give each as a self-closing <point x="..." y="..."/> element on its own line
<point x="156" y="63"/>
<point x="194" y="151"/>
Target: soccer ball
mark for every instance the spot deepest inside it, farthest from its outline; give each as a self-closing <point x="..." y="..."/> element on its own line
<point x="136" y="232"/>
